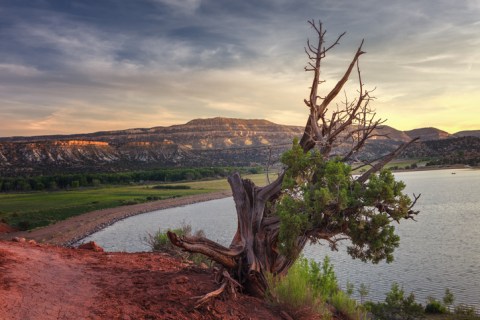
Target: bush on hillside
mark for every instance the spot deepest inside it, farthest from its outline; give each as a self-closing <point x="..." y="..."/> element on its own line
<point x="159" y="242"/>
<point x="396" y="306"/>
<point x="308" y="289"/>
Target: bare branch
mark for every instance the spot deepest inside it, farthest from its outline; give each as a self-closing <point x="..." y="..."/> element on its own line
<point x="386" y="159"/>
<point x="342" y="81"/>
<point x="268" y="164"/>
<point x="335" y="43"/>
<point x="211" y="249"/>
<point x="369" y="163"/>
<point x="312" y="133"/>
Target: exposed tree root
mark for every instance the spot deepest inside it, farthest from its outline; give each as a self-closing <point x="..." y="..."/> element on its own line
<point x="227" y="283"/>
<point x="202" y="299"/>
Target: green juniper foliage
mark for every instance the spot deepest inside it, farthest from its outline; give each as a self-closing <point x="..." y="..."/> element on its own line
<point x="321" y="200"/>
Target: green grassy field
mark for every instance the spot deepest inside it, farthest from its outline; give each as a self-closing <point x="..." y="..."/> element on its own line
<point x="36" y="209"/>
<point x="402" y="163"/>
<point x="397" y="164"/>
<point x="222" y="184"/>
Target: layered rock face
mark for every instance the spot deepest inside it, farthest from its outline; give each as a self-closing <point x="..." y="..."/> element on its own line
<point x="198" y="143"/>
<point x="201" y="142"/>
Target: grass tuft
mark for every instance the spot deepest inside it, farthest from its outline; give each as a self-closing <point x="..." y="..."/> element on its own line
<point x="310" y="290"/>
<point x="159" y="242"/>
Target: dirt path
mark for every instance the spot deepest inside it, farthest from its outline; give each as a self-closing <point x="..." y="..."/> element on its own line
<point x="75" y="228"/>
<point x="33" y="280"/>
<point x="47" y="282"/>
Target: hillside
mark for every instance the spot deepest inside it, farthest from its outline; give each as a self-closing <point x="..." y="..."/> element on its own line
<point x="465" y="150"/>
<point x="468" y="133"/>
<point x="200" y="142"/>
<point x="426" y="134"/>
<point x="37" y="282"/>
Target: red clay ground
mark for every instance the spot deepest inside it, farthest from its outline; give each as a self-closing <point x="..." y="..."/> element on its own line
<point x="43" y="281"/>
<point x="48" y="282"/>
<point x="5" y="228"/>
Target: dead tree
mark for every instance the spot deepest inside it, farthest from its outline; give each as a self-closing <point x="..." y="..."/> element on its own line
<point x="316" y="191"/>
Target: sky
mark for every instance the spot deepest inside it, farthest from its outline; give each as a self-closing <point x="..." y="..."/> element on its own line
<point x="86" y="66"/>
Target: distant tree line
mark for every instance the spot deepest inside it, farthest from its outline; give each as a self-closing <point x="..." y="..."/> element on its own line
<point x="73" y="181"/>
<point x="455" y="159"/>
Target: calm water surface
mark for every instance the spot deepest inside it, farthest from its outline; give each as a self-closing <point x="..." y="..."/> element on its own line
<point x="441" y="250"/>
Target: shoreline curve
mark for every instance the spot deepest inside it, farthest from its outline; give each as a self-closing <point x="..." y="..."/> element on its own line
<point x="67" y="232"/>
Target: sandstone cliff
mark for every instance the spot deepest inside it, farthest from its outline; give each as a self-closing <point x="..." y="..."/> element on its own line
<point x="200" y="142"/>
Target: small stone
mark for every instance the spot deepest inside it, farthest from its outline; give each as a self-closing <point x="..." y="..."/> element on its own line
<point x="181" y="279"/>
<point x="91" y="246"/>
<point x="18" y="239"/>
<point x="32" y="242"/>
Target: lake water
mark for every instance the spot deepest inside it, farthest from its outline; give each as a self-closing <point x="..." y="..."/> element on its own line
<point x="441" y="250"/>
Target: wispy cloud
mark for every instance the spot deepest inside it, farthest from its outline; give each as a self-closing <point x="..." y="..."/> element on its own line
<point x="17" y="70"/>
<point x="182" y="6"/>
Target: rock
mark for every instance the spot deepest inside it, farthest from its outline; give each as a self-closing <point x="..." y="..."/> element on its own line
<point x="91" y="246"/>
<point x="18" y="239"/>
<point x="180" y="280"/>
<point x="5" y="228"/>
<point x="32" y="242"/>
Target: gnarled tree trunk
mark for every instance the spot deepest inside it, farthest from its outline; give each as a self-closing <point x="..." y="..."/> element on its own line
<point x="253" y="251"/>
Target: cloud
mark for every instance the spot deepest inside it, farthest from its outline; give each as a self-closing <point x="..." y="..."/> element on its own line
<point x="17" y="70"/>
<point x="182" y="6"/>
<point x="159" y="62"/>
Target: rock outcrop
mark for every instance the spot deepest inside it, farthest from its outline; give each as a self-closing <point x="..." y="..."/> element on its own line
<point x="198" y="143"/>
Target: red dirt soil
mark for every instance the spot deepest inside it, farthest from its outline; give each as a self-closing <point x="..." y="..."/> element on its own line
<point x="5" y="228"/>
<point x="39" y="281"/>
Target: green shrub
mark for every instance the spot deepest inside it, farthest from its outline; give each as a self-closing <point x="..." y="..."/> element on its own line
<point x="159" y="242"/>
<point x="347" y="306"/>
<point x="435" y="307"/>
<point x="396" y="306"/>
<point x="323" y="278"/>
<point x="175" y="187"/>
<point x="306" y="290"/>
<point x="23" y="225"/>
<point x="465" y="312"/>
<point x="363" y="291"/>
<point x="349" y="288"/>
<point x="448" y="298"/>
<point x="295" y="293"/>
<point x="131" y="202"/>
